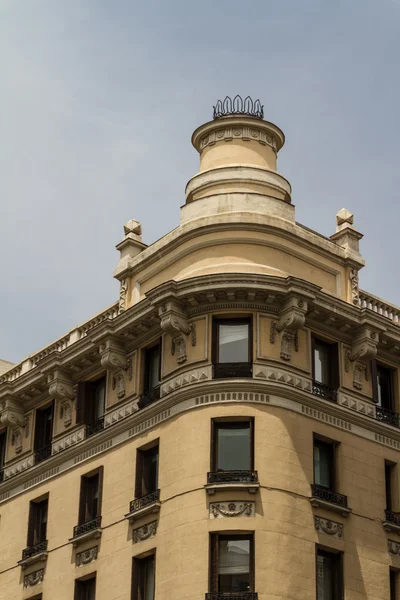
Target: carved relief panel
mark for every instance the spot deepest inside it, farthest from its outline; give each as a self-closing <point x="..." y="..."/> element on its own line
<point x="19" y="438"/>
<point x="185" y="347"/>
<point x="122" y="382"/>
<point x="292" y="347"/>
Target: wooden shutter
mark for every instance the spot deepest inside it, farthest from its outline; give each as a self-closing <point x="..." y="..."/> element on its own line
<point x="38" y="441"/>
<point x="31" y="524"/>
<point x="78" y="589"/>
<point x="99" y="503"/>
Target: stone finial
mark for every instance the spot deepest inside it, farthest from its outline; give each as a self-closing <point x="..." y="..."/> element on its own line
<point x="346" y="235"/>
<point x="130" y="247"/>
<point x="344" y="218"/>
<point x="133" y="230"/>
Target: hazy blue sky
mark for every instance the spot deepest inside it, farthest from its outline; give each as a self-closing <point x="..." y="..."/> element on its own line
<point x="98" y="100"/>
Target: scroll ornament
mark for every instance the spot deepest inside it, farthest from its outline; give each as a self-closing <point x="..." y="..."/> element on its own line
<point x="232" y="509"/>
<point x="292" y="318"/>
<point x="175" y="323"/>
<point x="364" y="348"/>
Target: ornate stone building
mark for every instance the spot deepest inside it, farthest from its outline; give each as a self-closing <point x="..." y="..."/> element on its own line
<point x="229" y="428"/>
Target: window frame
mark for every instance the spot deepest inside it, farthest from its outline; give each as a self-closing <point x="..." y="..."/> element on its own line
<point x="3" y="449"/>
<point x="137" y="580"/>
<point x="322" y="441"/>
<point x="375" y="367"/>
<point x="35" y="522"/>
<point x="227" y="423"/>
<point x="83" y="491"/>
<point x="146" y="366"/>
<point x="219" y="366"/>
<point x="339" y="592"/>
<point x="333" y="358"/>
<point x="393" y="583"/>
<point x="139" y="469"/>
<point x="78" y="582"/>
<point x="215" y="537"/>
<point x="40" y="427"/>
<point x="85" y="400"/>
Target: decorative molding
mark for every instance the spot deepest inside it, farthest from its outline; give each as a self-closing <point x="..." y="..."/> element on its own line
<point x="120" y="413"/>
<point x="394" y="547"/>
<point x="329" y="527"/>
<point x="229" y="133"/>
<point x="68" y="440"/>
<point x="279" y="376"/>
<point x="112" y="356"/>
<point x="87" y="556"/>
<point x="42" y="477"/>
<point x="175" y="323"/>
<point x="18" y="467"/>
<point x="145" y="532"/>
<point x="231" y="396"/>
<point x="149" y="423"/>
<point x="66" y="412"/>
<point x="363" y="349"/>
<point x="33" y="578"/>
<point x="118" y="383"/>
<point x="61" y="386"/>
<point x="292" y="317"/>
<point x="12" y="413"/>
<point x="387" y="441"/>
<point x="355" y="294"/>
<point x="321" y="416"/>
<point x="16" y="439"/>
<point x="187" y="378"/>
<point x="123" y="291"/>
<point x="93" y="451"/>
<point x="364" y="408"/>
<point x="232" y="509"/>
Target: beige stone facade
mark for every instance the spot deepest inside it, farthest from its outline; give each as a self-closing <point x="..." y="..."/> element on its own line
<point x="89" y="409"/>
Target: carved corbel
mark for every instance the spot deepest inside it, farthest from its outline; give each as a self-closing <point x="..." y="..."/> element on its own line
<point x="363" y="349"/>
<point x="175" y="323"/>
<point x="112" y="356"/>
<point x="60" y="384"/>
<point x="292" y="317"/>
<point x="12" y="413"/>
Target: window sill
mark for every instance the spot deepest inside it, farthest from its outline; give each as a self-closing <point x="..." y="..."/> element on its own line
<point x="212" y="488"/>
<point x="94" y="534"/>
<point x="149" y="509"/>
<point x="391" y="527"/>
<point x="319" y="503"/>
<point x="31" y="560"/>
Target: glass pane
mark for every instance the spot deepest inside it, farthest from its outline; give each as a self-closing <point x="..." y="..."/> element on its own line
<point x="326" y="577"/>
<point x="233" y="343"/>
<point x="234" y="448"/>
<point x="149" y="579"/>
<point x="321" y="364"/>
<point x="150" y="471"/>
<point x="234" y="565"/>
<point x="153" y="367"/>
<point x="384" y="388"/>
<point x="99" y="398"/>
<point x="323" y="465"/>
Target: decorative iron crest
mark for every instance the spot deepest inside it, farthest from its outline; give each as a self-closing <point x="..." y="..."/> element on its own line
<point x="238" y="106"/>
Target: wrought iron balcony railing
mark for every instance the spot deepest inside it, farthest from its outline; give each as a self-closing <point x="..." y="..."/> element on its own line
<point x="392" y="517"/>
<point x="139" y="503"/>
<point x="386" y="415"/>
<point x="318" y="491"/>
<point x="324" y="391"/>
<point x="238" y="106"/>
<point x="228" y="370"/>
<point x="95" y="426"/>
<point x="42" y="453"/>
<point x="232" y="596"/>
<point x="87" y="527"/>
<point x="36" y="549"/>
<point x="232" y="477"/>
<point x="149" y="397"/>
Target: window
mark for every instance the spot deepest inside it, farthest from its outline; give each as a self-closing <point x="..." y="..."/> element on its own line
<point x="231" y="563"/>
<point x="3" y="440"/>
<point x="232" y="445"/>
<point x="324" y="464"/>
<point x="85" y="589"/>
<point x="393" y="584"/>
<point x="90" y="407"/>
<point x="325" y="365"/>
<point x="37" y="527"/>
<point x="389" y="484"/>
<point x="143" y="578"/>
<point x="43" y="433"/>
<point x="90" y="496"/>
<point x="329" y="575"/>
<point x="382" y="381"/>
<point x="146" y="471"/>
<point x="232" y="348"/>
<point x="152" y="366"/>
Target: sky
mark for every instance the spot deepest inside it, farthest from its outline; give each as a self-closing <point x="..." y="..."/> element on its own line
<point x="99" y="98"/>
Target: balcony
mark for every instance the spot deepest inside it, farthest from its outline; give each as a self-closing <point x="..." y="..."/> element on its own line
<point x="392" y="521"/>
<point x="386" y="415"/>
<point x="324" y="498"/>
<point x="230" y="370"/>
<point x="42" y="453"/>
<point x="33" y="554"/>
<point x="95" y="426"/>
<point x="324" y="391"/>
<point x="149" y="397"/>
<point x="86" y="531"/>
<point x="232" y="596"/>
<point x="143" y="506"/>
<point x="229" y="480"/>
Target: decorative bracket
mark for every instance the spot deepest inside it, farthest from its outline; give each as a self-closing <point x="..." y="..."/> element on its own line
<point x="112" y="356"/>
<point x="175" y="323"/>
<point x="363" y="349"/>
<point x="61" y="386"/>
<point x="292" y="318"/>
<point x="12" y="413"/>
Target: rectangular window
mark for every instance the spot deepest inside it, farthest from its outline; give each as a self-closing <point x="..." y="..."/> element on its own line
<point x="37" y="528"/>
<point x="143" y="578"/>
<point x="146" y="471"/>
<point x="85" y="589"/>
<point x="43" y="433"/>
<point x="233" y="445"/>
<point x="3" y="441"/>
<point x="382" y="381"/>
<point x="325" y="363"/>
<point x="329" y="575"/>
<point x="232" y="347"/>
<point x="90" y="404"/>
<point x="152" y="367"/>
<point x="231" y="563"/>
<point x="324" y="464"/>
<point x="393" y="584"/>
<point x="90" y="496"/>
<point x="389" y="484"/>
